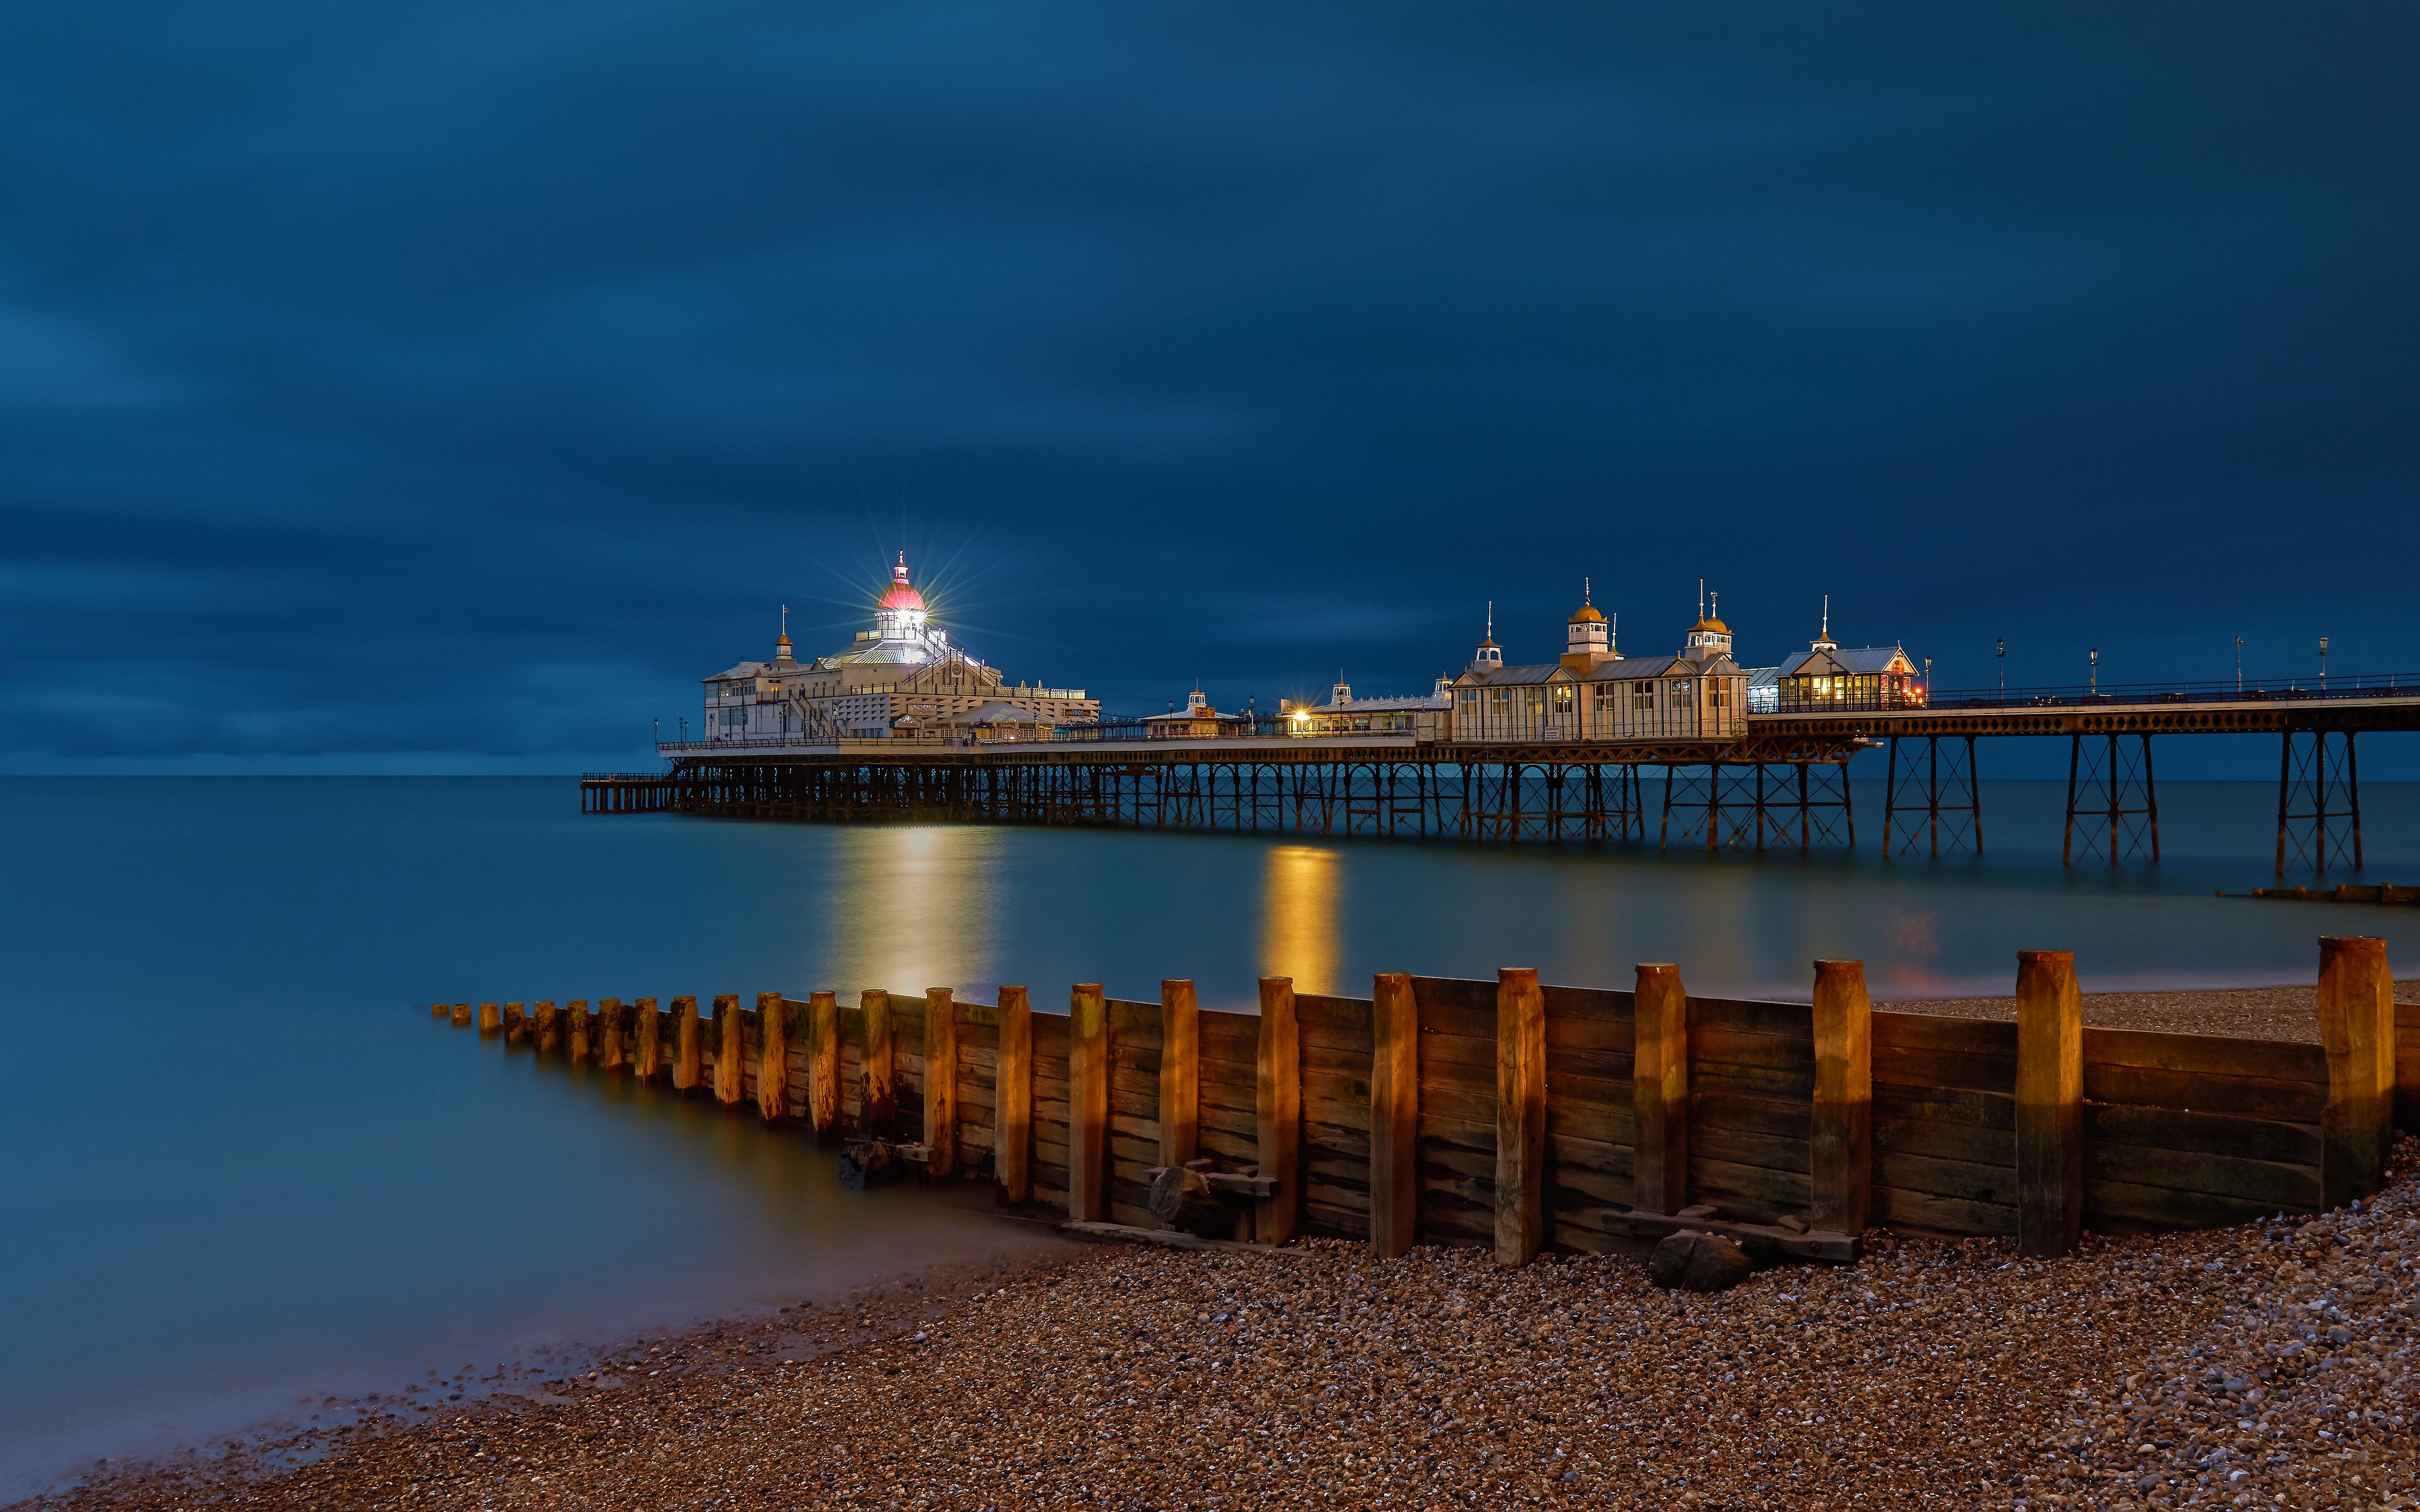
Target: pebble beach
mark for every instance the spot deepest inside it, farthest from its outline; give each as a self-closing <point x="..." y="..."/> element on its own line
<point x="2259" y="1367"/>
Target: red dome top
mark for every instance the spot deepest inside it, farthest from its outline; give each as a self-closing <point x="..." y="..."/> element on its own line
<point x="899" y="595"/>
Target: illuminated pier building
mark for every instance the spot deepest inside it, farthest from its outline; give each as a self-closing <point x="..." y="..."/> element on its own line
<point x="901" y="679"/>
<point x="1594" y="692"/>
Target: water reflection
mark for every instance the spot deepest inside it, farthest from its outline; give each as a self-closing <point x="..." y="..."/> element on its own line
<point x="1299" y="889"/>
<point x="910" y="907"/>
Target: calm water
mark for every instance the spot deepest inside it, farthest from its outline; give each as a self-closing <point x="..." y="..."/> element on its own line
<point x="244" y="1167"/>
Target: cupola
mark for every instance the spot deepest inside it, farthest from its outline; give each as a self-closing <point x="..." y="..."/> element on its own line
<point x="1489" y="654"/>
<point x="1588" y="638"/>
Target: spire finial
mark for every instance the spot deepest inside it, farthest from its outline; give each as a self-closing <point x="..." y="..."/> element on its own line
<point x="1701" y="598"/>
<point x="1490" y="619"/>
<point x="1826" y="631"/>
<point x="1718" y="606"/>
<point x="899" y="573"/>
<point x="1587" y="594"/>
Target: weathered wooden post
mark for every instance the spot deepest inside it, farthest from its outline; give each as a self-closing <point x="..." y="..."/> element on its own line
<point x="550" y="1029"/>
<point x="1277" y="1217"/>
<point x="2050" y="1103"/>
<point x="1088" y="1103"/>
<point x="441" y="1010"/>
<point x="461" y="1015"/>
<point x="1394" y="1115"/>
<point x="823" y="1063"/>
<point x="772" y="1057"/>
<point x="1180" y="1072"/>
<point x="491" y="1018"/>
<point x="879" y="1099"/>
<point x="650" y="1056"/>
<point x="609" y="1052"/>
<point x="1012" y="1130"/>
<point x="1842" y="1128"/>
<point x="688" y="1057"/>
<point x="2357" y="1029"/>
<point x="1659" y="1092"/>
<point x="1520" y="1115"/>
<point x="576" y="1035"/>
<point x="940" y="1082"/>
<point x="730" y="1053"/>
<point x="515" y="1024"/>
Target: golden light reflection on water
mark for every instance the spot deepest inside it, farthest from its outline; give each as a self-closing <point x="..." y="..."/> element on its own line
<point x="1299" y="887"/>
<point x="916" y="907"/>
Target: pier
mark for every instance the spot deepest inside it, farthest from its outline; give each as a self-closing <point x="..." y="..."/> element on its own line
<point x="1778" y="783"/>
<point x="1517" y="1116"/>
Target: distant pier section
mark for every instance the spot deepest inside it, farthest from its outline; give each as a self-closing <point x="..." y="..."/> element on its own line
<point x="1688" y="749"/>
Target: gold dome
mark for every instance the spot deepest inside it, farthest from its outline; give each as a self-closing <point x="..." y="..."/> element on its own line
<point x="1710" y="625"/>
<point x="1588" y="615"/>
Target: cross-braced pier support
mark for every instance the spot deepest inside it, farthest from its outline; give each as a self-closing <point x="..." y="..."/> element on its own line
<point x="2319" y="801"/>
<point x="2113" y="807"/>
<point x="1930" y="800"/>
<point x="1780" y="805"/>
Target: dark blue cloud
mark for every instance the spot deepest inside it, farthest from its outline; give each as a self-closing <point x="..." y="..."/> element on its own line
<point x="454" y="384"/>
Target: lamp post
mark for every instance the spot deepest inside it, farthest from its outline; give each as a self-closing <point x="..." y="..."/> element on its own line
<point x="2238" y="666"/>
<point x="2000" y="660"/>
<point x="2096" y="669"/>
<point x="2323" y="664"/>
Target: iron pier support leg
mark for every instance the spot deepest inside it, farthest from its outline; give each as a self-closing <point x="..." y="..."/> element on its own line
<point x="2353" y="792"/>
<point x="1974" y="793"/>
<point x="2067" y="847"/>
<point x="2151" y="800"/>
<point x="1890" y="803"/>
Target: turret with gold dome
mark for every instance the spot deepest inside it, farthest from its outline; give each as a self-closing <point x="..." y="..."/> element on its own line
<point x="1588" y="635"/>
<point x="1593" y="692"/>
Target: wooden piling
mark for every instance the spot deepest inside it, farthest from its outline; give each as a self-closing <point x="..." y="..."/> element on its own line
<point x="730" y="1055"/>
<point x="2357" y="1030"/>
<point x="1840" y="1152"/>
<point x="1088" y="1103"/>
<point x="1012" y="1130"/>
<point x="649" y="1057"/>
<point x="2050" y="1103"/>
<point x="1520" y="1115"/>
<point x="688" y="1057"/>
<point x="823" y="1063"/>
<point x="461" y="1015"/>
<point x="1659" y="1092"/>
<point x="1277" y="1217"/>
<point x="1394" y="1115"/>
<point x="940" y="1082"/>
<point x="575" y="1038"/>
<point x="880" y="1102"/>
<point x="772" y="1057"/>
<point x="1180" y="1072"/>
<point x="441" y="1010"/>
<point x="550" y="1029"/>
<point x="612" y="1051"/>
<point x="491" y="1018"/>
<point x="515" y="1024"/>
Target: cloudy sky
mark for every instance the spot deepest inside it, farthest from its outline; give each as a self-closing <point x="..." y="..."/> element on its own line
<point x="448" y="387"/>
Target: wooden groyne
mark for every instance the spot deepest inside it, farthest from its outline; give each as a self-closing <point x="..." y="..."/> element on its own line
<point x="1515" y="1115"/>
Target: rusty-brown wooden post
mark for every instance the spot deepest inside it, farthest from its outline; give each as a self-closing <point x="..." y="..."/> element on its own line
<point x="1012" y="1130"/>
<point x="575" y="1031"/>
<point x="1659" y="1092"/>
<point x="550" y="1029"/>
<point x="688" y="1057"/>
<point x="1088" y="1103"/>
<point x="940" y="1082"/>
<point x="610" y="1041"/>
<point x="1279" y="1105"/>
<point x="1520" y="1115"/>
<point x="1394" y="1115"/>
<point x="730" y="1054"/>
<point x="823" y="1063"/>
<point x="649" y="1057"/>
<point x="516" y="1023"/>
<point x="441" y="1010"/>
<point x="491" y="1018"/>
<point x="2050" y="1103"/>
<point x="1180" y="1072"/>
<point x="772" y="1056"/>
<point x="461" y="1015"/>
<point x="2357" y="1029"/>
<point x="1841" y="1127"/>
<point x="878" y="1097"/>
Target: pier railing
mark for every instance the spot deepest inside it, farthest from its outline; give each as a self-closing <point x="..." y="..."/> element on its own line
<point x="1517" y="1116"/>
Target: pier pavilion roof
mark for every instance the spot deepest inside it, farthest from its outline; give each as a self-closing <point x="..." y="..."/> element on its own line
<point x="1625" y="668"/>
<point x="1834" y="662"/>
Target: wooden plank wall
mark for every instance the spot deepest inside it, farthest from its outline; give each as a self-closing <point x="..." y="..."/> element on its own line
<point x="2179" y="1131"/>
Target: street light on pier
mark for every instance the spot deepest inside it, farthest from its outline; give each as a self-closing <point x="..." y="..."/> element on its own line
<point x="2238" y="666"/>
<point x="2000" y="660"/>
<point x="2323" y="664"/>
<point x="2096" y="669"/>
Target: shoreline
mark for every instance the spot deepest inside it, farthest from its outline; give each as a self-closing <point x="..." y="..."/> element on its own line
<point x="2287" y="1013"/>
<point x="2265" y="1364"/>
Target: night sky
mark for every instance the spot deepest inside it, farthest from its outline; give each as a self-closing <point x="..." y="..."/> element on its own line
<point x="448" y="387"/>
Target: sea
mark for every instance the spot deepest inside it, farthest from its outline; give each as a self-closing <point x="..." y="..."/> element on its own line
<point x="247" y="1175"/>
